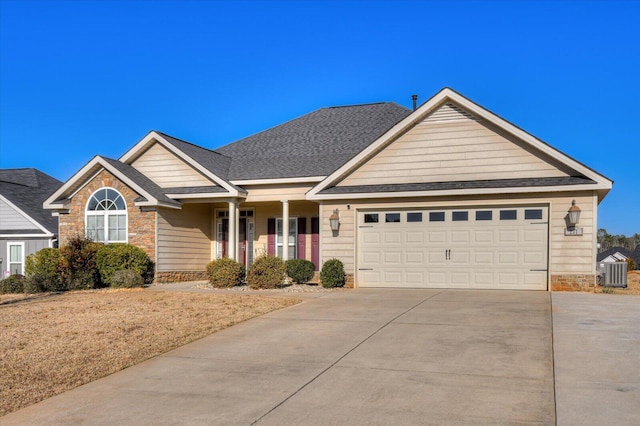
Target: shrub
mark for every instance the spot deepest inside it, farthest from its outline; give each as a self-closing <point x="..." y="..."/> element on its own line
<point x="111" y="258"/>
<point x="225" y="272"/>
<point x="332" y="273"/>
<point x="631" y="264"/>
<point x="48" y="269"/>
<point x="12" y="284"/>
<point x="80" y="261"/>
<point x="126" y="278"/>
<point x="266" y="272"/>
<point x="300" y="270"/>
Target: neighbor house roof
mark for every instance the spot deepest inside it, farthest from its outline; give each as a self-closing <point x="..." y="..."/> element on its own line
<point x="315" y="144"/>
<point x="26" y="189"/>
<point x="635" y="254"/>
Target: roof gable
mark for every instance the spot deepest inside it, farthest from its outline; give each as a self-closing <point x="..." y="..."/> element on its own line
<point x="451" y="139"/>
<point x="24" y="190"/>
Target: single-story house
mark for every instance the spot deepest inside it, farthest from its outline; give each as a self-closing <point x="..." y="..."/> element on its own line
<point x="448" y="195"/>
<point x="25" y="227"/>
<point x="619" y="254"/>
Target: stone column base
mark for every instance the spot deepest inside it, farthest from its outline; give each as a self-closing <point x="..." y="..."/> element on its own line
<point x="573" y="282"/>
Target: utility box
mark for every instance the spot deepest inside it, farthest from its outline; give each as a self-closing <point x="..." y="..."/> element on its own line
<point x="613" y="274"/>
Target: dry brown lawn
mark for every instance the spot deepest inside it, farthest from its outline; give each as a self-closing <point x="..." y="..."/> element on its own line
<point x="633" y="285"/>
<point x="53" y="343"/>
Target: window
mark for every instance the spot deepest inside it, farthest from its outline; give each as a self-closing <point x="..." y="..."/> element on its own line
<point x="460" y="216"/>
<point x="16" y="258"/>
<point x="293" y="238"/>
<point x="414" y="217"/>
<point x="371" y="218"/>
<point x="484" y="215"/>
<point x="106" y="217"/>
<point x="436" y="216"/>
<point x="508" y="214"/>
<point x="392" y="217"/>
<point x="533" y="214"/>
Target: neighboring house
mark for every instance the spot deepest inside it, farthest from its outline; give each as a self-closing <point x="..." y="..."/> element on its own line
<point x="449" y="195"/>
<point x="620" y="254"/>
<point x="25" y="227"/>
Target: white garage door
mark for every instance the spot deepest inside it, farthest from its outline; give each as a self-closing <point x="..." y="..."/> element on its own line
<point x="489" y="248"/>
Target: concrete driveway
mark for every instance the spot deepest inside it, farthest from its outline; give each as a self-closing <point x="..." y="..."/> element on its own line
<point x="354" y="357"/>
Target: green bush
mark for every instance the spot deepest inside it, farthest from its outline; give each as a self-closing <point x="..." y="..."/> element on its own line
<point x="225" y="272"/>
<point x="300" y="270"/>
<point x="126" y="278"/>
<point x="266" y="272"/>
<point x="80" y="262"/>
<point x="111" y="258"/>
<point x="48" y="269"/>
<point x="332" y="273"/>
<point x="12" y="284"/>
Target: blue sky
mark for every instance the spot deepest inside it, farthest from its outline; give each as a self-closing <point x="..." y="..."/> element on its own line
<point x="80" y="78"/>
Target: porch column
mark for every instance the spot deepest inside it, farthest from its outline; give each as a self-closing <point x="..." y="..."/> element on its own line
<point x="238" y="243"/>
<point x="232" y="231"/>
<point x="285" y="230"/>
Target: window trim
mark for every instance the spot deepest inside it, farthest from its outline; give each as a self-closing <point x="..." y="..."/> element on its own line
<point x="106" y="214"/>
<point x="9" y="262"/>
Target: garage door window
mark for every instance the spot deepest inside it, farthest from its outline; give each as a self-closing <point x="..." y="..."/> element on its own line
<point x="533" y="214"/>
<point x="371" y="218"/>
<point x="414" y="217"/>
<point x="392" y="217"/>
<point x="460" y="216"/>
<point x="436" y="217"/>
<point x="484" y="215"/>
<point x="508" y="214"/>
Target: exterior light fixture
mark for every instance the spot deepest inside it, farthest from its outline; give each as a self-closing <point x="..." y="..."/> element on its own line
<point x="573" y="217"/>
<point x="334" y="220"/>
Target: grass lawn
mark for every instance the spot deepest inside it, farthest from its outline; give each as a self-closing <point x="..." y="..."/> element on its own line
<point x="53" y="343"/>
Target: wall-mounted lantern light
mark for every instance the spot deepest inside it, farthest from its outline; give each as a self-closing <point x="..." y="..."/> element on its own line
<point x="334" y="221"/>
<point x="573" y="217"/>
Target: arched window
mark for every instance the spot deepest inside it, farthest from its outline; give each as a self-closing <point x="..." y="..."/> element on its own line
<point x="106" y="217"/>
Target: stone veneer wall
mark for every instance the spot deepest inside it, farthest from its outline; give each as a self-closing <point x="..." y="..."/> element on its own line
<point x="141" y="227"/>
<point x="179" y="276"/>
<point x="573" y="282"/>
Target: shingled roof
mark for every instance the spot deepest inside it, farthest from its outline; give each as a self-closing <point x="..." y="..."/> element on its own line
<point x="27" y="189"/>
<point x="315" y="144"/>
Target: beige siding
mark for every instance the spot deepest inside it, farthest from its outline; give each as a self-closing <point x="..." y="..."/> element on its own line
<point x="184" y="238"/>
<point x="276" y="192"/>
<point x="450" y="146"/>
<point x="11" y="220"/>
<point x="165" y="169"/>
<point x="567" y="254"/>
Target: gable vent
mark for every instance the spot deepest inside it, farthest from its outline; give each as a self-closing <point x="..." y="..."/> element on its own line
<point x="449" y="112"/>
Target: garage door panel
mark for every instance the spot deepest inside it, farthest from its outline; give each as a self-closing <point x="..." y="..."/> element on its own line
<point x="467" y="253"/>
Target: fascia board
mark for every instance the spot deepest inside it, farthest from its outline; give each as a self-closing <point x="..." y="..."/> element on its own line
<point x="455" y="192"/>
<point x="47" y="235"/>
<point x="439" y="98"/>
<point x="25" y="215"/>
<point x="207" y="195"/>
<point x="310" y="179"/>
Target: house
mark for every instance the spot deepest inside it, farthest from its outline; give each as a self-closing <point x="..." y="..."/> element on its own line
<point x="25" y="227"/>
<point x="619" y="254"/>
<point x="449" y="195"/>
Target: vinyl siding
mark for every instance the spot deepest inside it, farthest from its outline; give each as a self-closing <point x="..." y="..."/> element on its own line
<point x="168" y="171"/>
<point x="567" y="254"/>
<point x="276" y="192"/>
<point x="450" y="146"/>
<point x="12" y="220"/>
<point x="184" y="238"/>
<point x="31" y="245"/>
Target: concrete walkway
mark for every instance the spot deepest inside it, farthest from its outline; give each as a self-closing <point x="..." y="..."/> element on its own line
<point x="383" y="357"/>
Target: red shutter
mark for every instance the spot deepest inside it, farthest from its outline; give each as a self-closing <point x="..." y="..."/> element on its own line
<point x="271" y="240"/>
<point x="302" y="237"/>
<point x="315" y="242"/>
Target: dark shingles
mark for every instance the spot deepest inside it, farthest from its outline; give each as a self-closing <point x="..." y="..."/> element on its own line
<point x="474" y="184"/>
<point x="27" y="189"/>
<point x="315" y="144"/>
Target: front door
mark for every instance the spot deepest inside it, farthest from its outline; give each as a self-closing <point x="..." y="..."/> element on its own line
<point x="245" y="239"/>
